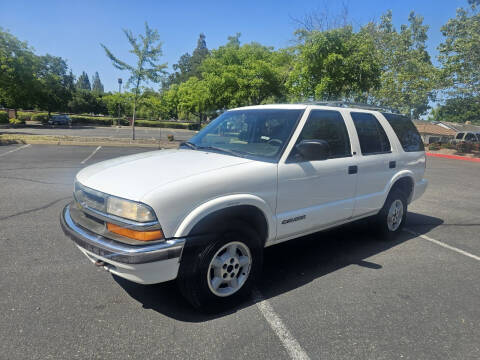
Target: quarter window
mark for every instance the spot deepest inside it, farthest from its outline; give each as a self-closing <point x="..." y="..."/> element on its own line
<point x="327" y="125"/>
<point x="371" y="135"/>
<point x="406" y="132"/>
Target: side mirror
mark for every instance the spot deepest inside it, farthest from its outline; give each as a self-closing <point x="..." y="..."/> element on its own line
<point x="313" y="150"/>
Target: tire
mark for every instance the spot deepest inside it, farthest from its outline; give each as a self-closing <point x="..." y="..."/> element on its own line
<point x="207" y="275"/>
<point x="391" y="219"/>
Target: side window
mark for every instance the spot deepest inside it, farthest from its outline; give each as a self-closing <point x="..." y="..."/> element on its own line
<point x="470" y="137"/>
<point x="327" y="125"/>
<point x="459" y="136"/>
<point x="371" y="135"/>
<point x="406" y="132"/>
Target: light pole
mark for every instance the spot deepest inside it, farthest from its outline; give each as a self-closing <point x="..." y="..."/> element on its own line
<point x="120" y="92"/>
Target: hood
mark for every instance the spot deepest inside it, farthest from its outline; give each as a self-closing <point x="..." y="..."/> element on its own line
<point x="133" y="176"/>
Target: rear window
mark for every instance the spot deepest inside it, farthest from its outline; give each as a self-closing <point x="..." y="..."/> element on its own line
<point x="406" y="132"/>
<point x="371" y="135"/>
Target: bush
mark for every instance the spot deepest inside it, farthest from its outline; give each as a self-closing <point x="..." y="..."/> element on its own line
<point x="464" y="147"/>
<point x="15" y="121"/>
<point x="96" y="120"/>
<point x="3" y="118"/>
<point x="434" y="147"/>
<point x="43" y="117"/>
<point x="167" y="124"/>
<point x="25" y="116"/>
<point x="170" y="137"/>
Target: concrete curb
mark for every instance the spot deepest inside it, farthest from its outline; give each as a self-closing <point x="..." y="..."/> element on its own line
<point x="45" y="140"/>
<point x="453" y="157"/>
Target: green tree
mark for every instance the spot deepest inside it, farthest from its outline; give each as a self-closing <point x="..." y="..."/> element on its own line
<point x="194" y="98"/>
<point x="243" y="75"/>
<point x="189" y="65"/>
<point x="56" y="84"/>
<point x="408" y="78"/>
<point x="116" y="102"/>
<point x="460" y="53"/>
<point x="333" y="64"/>
<point x="458" y="110"/>
<point x="19" y="86"/>
<point x="97" y="85"/>
<point x="83" y="82"/>
<point x="84" y="101"/>
<point x="148" y="49"/>
<point x="170" y="103"/>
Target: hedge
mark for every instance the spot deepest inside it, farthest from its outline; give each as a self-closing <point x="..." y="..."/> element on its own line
<point x="167" y="124"/>
<point x="3" y="118"/>
<point x="14" y="121"/>
<point x="43" y="117"/>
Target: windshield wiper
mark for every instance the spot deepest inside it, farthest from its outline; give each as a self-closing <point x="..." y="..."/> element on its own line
<point x="189" y="144"/>
<point x="226" y="151"/>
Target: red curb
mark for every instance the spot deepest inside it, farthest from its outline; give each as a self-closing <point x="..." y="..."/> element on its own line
<point x="455" y="157"/>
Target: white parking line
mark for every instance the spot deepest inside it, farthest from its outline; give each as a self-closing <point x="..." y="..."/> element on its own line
<point x="90" y="156"/>
<point x="453" y="248"/>
<point x="16" y="149"/>
<point x="288" y="341"/>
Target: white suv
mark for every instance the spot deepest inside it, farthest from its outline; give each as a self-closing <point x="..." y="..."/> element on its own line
<point x="254" y="177"/>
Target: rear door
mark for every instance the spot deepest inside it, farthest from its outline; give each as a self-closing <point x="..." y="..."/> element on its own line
<point x="314" y="194"/>
<point x="377" y="163"/>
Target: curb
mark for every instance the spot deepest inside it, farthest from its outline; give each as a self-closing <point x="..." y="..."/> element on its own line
<point x="454" y="157"/>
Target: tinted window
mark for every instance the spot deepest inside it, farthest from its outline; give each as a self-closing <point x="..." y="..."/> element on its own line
<point x="470" y="137"/>
<point x="406" y="132"/>
<point x="371" y="135"/>
<point x="329" y="126"/>
<point x="459" y="136"/>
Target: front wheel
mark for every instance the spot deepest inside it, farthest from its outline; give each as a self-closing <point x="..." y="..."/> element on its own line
<point x="392" y="217"/>
<point x="225" y="270"/>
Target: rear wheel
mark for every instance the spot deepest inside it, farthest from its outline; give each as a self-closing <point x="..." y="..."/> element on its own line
<point x="223" y="271"/>
<point x="392" y="217"/>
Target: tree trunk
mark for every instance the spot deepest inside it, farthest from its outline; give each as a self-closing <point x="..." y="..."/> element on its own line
<point x="133" y="119"/>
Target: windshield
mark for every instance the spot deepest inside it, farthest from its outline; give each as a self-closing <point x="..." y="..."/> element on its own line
<point x="259" y="133"/>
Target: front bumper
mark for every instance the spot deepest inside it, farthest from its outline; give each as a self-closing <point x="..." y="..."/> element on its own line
<point x="145" y="264"/>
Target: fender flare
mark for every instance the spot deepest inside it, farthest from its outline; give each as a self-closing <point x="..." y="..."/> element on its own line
<point x="400" y="175"/>
<point x="223" y="202"/>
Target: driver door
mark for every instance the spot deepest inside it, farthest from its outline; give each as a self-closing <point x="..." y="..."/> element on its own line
<point x="314" y="194"/>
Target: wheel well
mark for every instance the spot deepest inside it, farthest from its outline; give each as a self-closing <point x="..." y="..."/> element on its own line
<point x="405" y="185"/>
<point x="219" y="219"/>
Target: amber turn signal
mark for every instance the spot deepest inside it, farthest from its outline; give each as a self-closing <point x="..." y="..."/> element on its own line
<point x="137" y="235"/>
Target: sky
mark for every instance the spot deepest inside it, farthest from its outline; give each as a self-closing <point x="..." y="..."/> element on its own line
<point x="75" y="29"/>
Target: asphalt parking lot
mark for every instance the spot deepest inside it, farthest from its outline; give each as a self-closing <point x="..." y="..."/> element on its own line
<point x="123" y="132"/>
<point x="341" y="294"/>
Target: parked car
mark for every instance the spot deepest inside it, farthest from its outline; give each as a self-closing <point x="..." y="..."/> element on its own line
<point x="254" y="177"/>
<point x="466" y="136"/>
<point x="60" y="120"/>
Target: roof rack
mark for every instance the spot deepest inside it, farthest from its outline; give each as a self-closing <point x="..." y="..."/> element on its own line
<point x="346" y="104"/>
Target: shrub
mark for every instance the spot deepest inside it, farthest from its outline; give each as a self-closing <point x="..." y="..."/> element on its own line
<point x="464" y="147"/>
<point x="167" y="124"/>
<point x="3" y="118"/>
<point x="43" y="117"/>
<point x="15" y="121"/>
<point x="25" y="116"/>
<point x="170" y="137"/>
<point x="434" y="147"/>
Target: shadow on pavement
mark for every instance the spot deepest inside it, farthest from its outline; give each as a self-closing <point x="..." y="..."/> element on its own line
<point x="288" y="266"/>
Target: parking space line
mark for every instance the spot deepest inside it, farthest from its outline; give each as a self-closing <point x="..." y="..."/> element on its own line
<point x="16" y="149"/>
<point x="90" y="156"/>
<point x="290" y="344"/>
<point x="453" y="248"/>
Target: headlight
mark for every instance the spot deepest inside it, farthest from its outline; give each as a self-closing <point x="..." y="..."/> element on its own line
<point x="129" y="210"/>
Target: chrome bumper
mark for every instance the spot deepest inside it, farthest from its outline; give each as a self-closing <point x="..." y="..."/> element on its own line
<point x="116" y="251"/>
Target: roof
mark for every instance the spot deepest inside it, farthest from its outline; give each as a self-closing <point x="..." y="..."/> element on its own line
<point x="425" y="127"/>
<point x="462" y="127"/>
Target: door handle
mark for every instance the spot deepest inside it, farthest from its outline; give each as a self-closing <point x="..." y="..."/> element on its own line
<point x="392" y="164"/>
<point x="353" y="169"/>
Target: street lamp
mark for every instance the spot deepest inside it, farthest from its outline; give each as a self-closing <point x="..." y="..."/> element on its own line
<point x="120" y="92"/>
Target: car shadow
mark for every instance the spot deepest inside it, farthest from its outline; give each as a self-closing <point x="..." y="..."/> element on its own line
<point x="288" y="266"/>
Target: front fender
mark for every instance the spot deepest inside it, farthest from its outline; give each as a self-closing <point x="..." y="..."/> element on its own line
<point x="224" y="202"/>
